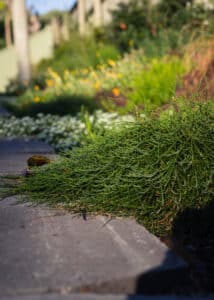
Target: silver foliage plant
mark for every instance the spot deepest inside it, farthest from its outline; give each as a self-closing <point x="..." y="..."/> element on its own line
<point x="62" y="133"/>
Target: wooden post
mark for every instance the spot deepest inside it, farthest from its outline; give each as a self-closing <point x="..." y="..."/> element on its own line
<point x="21" y="39"/>
<point x="82" y="16"/>
<point x="97" y="13"/>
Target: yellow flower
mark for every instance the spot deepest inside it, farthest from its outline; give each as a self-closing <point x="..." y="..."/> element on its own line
<point x="116" y="92"/>
<point x="93" y="74"/>
<point x="54" y="74"/>
<point x="111" y="62"/>
<point x="97" y="85"/>
<point x="66" y="73"/>
<point x="36" y="88"/>
<point x="49" y="82"/>
<point x="37" y="99"/>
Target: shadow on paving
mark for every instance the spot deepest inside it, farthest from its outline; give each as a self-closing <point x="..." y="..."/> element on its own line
<point x="50" y="250"/>
<point x="55" y="251"/>
<point x="193" y="239"/>
<point x="193" y="235"/>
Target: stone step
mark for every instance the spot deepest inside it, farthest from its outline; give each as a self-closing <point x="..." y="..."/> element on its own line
<point x="102" y="297"/>
<point x="20" y="146"/>
<point x="15" y="152"/>
<point x="49" y="250"/>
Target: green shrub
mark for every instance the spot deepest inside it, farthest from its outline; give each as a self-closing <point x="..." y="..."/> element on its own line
<point x="176" y="14"/>
<point x="157" y="84"/>
<point x="138" y="22"/>
<point x="151" y="170"/>
<point x="78" y="53"/>
<point x="165" y="41"/>
<point x="129" y="23"/>
<point x="63" y="104"/>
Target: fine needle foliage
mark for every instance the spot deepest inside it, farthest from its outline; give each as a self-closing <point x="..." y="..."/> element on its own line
<point x="150" y="170"/>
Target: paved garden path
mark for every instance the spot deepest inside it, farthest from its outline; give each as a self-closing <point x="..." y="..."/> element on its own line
<point x="47" y="253"/>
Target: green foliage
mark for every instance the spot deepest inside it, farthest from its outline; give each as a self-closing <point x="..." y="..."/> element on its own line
<point x="129" y="23"/>
<point x="138" y="22"/>
<point x="63" y="104"/>
<point x="183" y="13"/>
<point x="165" y="41"/>
<point x="151" y="170"/>
<point x="157" y="84"/>
<point x="78" y="53"/>
<point x="16" y="88"/>
<point x="133" y="82"/>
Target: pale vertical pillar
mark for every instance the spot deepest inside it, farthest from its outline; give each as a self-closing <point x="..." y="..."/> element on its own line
<point x="97" y="13"/>
<point x="82" y="16"/>
<point x="65" y="27"/>
<point x="21" y="39"/>
<point x="7" y="23"/>
<point x="56" y="29"/>
<point x="7" y="29"/>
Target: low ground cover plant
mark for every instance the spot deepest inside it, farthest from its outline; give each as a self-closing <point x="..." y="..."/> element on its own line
<point x="62" y="133"/>
<point x="151" y="169"/>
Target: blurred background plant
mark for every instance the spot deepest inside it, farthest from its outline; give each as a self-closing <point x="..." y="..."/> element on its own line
<point x="165" y="26"/>
<point x="78" y="52"/>
<point x="140" y="61"/>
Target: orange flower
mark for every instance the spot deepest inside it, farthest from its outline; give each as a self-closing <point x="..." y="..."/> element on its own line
<point x="122" y="26"/>
<point x="116" y="92"/>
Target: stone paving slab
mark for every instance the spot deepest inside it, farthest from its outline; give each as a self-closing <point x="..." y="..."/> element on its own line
<point x="43" y="250"/>
<point x="15" y="152"/>
<point x="103" y="297"/>
<point x="15" y="146"/>
<point x="48" y="250"/>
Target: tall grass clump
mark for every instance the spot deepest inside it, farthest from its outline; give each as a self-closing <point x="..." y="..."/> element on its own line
<point x="150" y="170"/>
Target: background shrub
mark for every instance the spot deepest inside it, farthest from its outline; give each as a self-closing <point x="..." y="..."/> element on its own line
<point x="157" y="84"/>
<point x="65" y="104"/>
<point x="78" y="53"/>
<point x="137" y="23"/>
